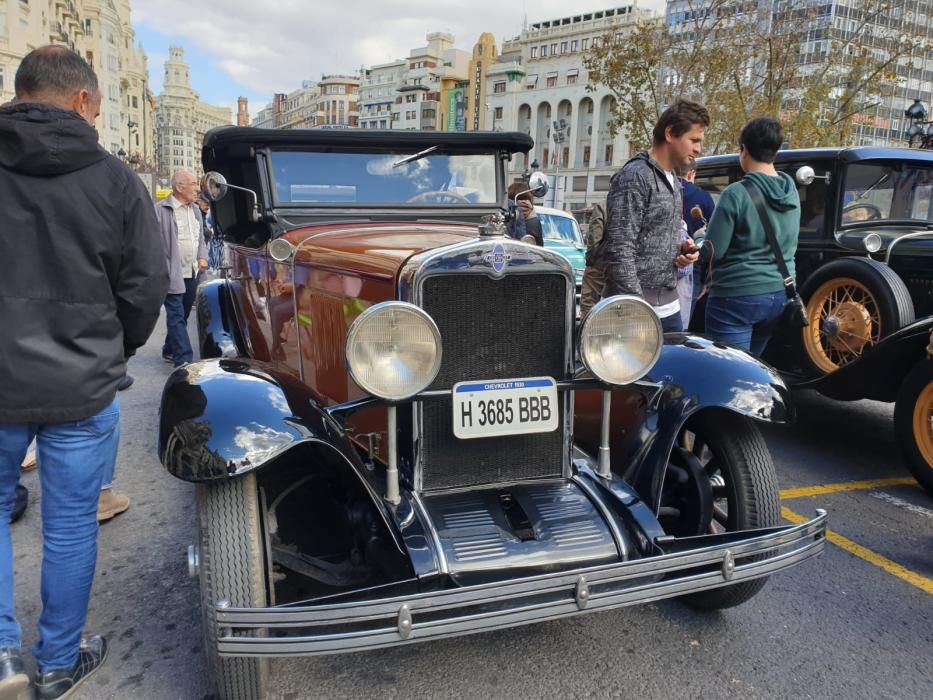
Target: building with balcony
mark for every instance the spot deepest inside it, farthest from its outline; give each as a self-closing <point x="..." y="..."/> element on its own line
<point x="539" y="86"/>
<point x="182" y="118"/>
<point x="101" y="31"/>
<point x="378" y="92"/>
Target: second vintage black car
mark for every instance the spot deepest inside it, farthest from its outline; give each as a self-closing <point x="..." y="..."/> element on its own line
<point x="865" y="270"/>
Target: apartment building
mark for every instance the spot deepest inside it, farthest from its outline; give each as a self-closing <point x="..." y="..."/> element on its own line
<point x="539" y="86"/>
<point x="102" y="32"/>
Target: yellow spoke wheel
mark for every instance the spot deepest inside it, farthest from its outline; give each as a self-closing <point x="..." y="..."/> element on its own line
<point x="845" y="320"/>
<point x="913" y="422"/>
<point x="923" y="424"/>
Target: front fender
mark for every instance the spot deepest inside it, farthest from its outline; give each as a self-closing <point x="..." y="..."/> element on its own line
<point x="217" y="326"/>
<point x="880" y="371"/>
<point x="692" y="374"/>
<point x="224" y="418"/>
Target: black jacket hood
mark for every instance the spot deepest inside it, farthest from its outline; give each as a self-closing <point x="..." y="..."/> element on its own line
<point x="42" y="140"/>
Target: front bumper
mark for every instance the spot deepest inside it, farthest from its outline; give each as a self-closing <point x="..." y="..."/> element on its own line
<point x="694" y="564"/>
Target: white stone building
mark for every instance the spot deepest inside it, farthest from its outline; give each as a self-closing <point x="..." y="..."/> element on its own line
<point x="378" y="91"/>
<point x="540" y="80"/>
<point x="331" y="102"/>
<point x="182" y="119"/>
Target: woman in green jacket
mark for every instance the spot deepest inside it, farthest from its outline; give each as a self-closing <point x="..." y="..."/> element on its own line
<point x="747" y="291"/>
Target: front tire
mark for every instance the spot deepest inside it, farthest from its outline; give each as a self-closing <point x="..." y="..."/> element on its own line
<point x="729" y="451"/>
<point x="232" y="568"/>
<point x="913" y="422"/>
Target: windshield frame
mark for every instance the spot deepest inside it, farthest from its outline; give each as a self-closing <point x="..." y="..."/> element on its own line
<point x="888" y="171"/>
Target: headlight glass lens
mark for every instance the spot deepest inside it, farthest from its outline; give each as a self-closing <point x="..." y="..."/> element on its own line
<point x="393" y="350"/>
<point x="621" y="339"/>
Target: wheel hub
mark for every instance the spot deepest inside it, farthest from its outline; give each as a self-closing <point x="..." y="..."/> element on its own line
<point x="848" y="329"/>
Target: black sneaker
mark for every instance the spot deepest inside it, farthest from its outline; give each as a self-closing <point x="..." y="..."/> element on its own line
<point x="168" y="358"/>
<point x="61" y="684"/>
<point x="13" y="678"/>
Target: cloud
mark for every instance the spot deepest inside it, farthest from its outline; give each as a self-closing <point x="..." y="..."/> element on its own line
<point x="272" y="46"/>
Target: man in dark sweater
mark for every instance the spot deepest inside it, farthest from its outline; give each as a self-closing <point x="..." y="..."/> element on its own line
<point x="81" y="291"/>
<point x="644" y="210"/>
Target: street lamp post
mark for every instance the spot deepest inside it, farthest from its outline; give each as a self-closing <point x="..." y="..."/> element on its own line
<point x="920" y="130"/>
<point x="559" y="136"/>
<point x="130" y="125"/>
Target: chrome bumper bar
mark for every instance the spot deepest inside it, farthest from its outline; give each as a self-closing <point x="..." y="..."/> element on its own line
<point x="706" y="562"/>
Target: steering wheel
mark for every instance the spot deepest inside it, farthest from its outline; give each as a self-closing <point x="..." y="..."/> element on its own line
<point x="443" y="197"/>
<point x="874" y="212"/>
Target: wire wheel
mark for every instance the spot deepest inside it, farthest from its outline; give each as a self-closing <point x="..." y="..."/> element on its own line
<point x="923" y="423"/>
<point x="913" y="422"/>
<point x="845" y="319"/>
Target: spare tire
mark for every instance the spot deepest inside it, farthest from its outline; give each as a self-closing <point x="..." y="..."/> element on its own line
<point x="852" y="303"/>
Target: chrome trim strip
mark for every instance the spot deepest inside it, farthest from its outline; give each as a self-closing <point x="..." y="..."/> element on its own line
<point x="519" y="602"/>
<point x="428" y="524"/>
<point x="466" y="259"/>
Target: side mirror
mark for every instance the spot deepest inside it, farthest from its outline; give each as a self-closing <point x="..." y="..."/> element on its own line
<point x="538" y="184"/>
<point x="805" y="175"/>
<point x="213" y="186"/>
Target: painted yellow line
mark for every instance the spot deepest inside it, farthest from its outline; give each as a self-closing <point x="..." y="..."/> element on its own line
<point x="807" y="491"/>
<point x="922" y="582"/>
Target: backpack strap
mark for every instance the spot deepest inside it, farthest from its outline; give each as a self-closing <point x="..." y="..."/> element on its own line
<point x="790" y="287"/>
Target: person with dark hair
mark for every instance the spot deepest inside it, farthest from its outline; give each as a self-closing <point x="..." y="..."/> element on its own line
<point x="747" y="291"/>
<point x="696" y="201"/>
<point x="82" y="287"/>
<point x="642" y="243"/>
<point x="523" y="221"/>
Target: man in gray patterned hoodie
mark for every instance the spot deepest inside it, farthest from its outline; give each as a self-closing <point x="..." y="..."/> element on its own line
<point x="642" y="242"/>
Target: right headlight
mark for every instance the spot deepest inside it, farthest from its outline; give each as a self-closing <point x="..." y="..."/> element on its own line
<point x="621" y="339"/>
<point x="393" y="350"/>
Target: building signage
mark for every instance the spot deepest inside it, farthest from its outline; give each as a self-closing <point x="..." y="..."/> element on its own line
<point x="456" y="110"/>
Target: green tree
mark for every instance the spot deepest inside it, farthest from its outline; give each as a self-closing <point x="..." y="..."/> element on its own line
<point x="784" y="59"/>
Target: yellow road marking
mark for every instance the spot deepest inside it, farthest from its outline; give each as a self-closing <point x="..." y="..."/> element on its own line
<point x="807" y="491"/>
<point x="922" y="582"/>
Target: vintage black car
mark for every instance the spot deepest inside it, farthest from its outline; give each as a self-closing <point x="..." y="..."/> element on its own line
<point x="865" y="271"/>
<point x="393" y="440"/>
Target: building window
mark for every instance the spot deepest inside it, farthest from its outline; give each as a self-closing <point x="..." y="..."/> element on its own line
<point x="498" y="113"/>
<point x="543" y="51"/>
<point x="608" y="154"/>
<point x="586" y="156"/>
<point x="574" y="45"/>
<point x="563" y="47"/>
<point x="534" y="51"/>
<point x="572" y="79"/>
<point x="551" y="81"/>
<point x="1" y="78"/>
<point x="554" y="49"/>
<point x="586" y="44"/>
<point x="498" y="87"/>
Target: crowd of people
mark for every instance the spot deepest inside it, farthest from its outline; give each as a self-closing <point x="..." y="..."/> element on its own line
<point x="659" y="236"/>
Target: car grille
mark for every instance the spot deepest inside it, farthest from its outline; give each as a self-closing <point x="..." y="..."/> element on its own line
<point x="921" y="292"/>
<point x="503" y="328"/>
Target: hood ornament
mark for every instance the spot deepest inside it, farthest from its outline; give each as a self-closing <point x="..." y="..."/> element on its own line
<point x="493" y="225"/>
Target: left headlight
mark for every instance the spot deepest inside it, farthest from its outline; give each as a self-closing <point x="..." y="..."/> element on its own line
<point x="393" y="350"/>
<point x="621" y="339"/>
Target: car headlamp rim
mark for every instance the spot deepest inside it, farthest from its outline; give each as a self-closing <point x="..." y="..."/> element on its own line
<point x="360" y="322"/>
<point x="600" y="307"/>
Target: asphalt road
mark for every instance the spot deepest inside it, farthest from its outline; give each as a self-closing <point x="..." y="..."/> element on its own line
<point x="855" y="623"/>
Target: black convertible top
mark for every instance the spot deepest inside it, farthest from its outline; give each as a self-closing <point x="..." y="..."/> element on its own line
<point x="232" y="139"/>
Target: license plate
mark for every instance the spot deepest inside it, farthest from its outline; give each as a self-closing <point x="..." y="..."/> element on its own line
<point x="497" y="407"/>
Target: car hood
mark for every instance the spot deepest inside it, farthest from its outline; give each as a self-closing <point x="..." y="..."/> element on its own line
<point x="372" y="249"/>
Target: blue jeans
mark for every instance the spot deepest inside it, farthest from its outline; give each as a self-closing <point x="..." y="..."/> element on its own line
<point x="673" y="323"/>
<point x="746" y="322"/>
<point x="73" y="459"/>
<point x="177" y="310"/>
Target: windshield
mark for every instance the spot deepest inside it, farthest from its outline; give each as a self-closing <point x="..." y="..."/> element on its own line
<point x="877" y="191"/>
<point x="560" y="228"/>
<point x="305" y="177"/>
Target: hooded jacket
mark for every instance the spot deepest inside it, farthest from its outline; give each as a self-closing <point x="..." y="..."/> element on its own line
<point x="743" y="264"/>
<point x="83" y="274"/>
<point x="642" y="235"/>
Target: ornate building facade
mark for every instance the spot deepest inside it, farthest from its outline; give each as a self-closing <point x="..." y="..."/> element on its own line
<point x="182" y="119"/>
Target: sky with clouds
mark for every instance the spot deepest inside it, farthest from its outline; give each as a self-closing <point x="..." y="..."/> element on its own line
<point x="244" y="47"/>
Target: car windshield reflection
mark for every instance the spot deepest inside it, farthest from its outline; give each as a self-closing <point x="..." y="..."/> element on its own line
<point x="307" y="178"/>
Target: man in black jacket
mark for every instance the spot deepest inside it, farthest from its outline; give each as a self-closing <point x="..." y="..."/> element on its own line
<point x="83" y="279"/>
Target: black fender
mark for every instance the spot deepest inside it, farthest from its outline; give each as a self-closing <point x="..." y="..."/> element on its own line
<point x="696" y="374"/>
<point x="880" y="371"/>
<point x="218" y="334"/>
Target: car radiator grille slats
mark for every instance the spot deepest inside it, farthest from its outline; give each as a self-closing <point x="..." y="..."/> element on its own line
<point x="504" y="328"/>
